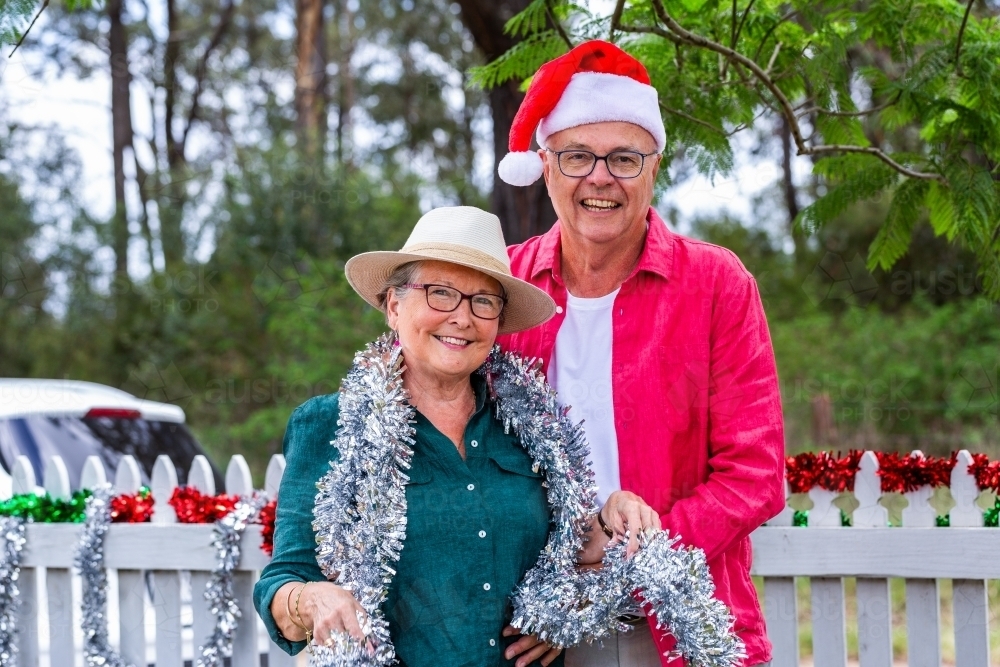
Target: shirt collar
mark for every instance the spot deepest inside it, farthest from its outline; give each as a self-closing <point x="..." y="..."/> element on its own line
<point x="657" y="251"/>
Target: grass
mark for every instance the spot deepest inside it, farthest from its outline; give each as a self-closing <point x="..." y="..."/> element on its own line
<point x="897" y="594"/>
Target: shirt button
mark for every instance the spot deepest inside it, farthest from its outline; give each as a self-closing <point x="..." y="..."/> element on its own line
<point x="559" y="310"/>
<point x="474" y="443"/>
<point x="486" y="587"/>
<point x="493" y="642"/>
<point x="471" y="487"/>
<point x="482" y="533"/>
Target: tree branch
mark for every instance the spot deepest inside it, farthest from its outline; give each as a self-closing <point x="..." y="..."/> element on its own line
<point x="961" y="35"/>
<point x="691" y="118"/>
<point x="786" y="108"/>
<point x="846" y="114"/>
<point x="202" y="70"/>
<point x="555" y="24"/>
<point x="30" y="26"/>
<point x="616" y="18"/>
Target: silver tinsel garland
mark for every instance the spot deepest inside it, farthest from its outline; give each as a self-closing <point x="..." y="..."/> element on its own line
<point x="360" y="523"/>
<point x="89" y="561"/>
<point x="12" y="533"/>
<point x="219" y="590"/>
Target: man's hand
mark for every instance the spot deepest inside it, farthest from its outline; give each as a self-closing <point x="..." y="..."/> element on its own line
<point x="627" y="511"/>
<point x="529" y="648"/>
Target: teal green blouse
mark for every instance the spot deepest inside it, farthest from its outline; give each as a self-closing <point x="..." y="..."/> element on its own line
<point x="474" y="527"/>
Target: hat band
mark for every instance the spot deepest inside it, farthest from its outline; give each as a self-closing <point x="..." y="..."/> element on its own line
<point x="459" y="254"/>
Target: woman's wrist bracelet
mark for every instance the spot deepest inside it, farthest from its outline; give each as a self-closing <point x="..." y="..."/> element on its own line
<point x="296" y="619"/>
<point x="607" y="531"/>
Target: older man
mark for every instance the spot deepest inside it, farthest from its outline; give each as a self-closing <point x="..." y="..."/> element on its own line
<point x="659" y="343"/>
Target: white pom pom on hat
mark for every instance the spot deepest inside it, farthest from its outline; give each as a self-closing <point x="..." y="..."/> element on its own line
<point x="593" y="83"/>
<point x="520" y="168"/>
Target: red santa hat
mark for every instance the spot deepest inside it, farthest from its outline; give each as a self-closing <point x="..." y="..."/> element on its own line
<point x="593" y="83"/>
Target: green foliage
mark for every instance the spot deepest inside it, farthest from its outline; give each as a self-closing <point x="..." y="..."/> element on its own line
<point x="16" y="16"/>
<point x="908" y="94"/>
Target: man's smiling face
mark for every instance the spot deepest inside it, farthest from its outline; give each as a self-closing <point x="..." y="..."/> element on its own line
<point x="601" y="208"/>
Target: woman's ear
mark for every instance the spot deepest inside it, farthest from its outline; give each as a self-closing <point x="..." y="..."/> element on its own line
<point x="391" y="308"/>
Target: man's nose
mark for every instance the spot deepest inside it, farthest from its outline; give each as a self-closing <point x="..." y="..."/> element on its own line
<point x="601" y="175"/>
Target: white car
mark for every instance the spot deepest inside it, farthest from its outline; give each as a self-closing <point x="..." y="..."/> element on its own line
<point x="75" y="419"/>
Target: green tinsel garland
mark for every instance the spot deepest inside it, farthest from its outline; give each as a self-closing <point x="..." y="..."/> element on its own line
<point x="46" y="509"/>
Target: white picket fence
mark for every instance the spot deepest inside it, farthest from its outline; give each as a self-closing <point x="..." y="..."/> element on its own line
<point x="870" y="550"/>
<point x="160" y="622"/>
<point x="161" y="569"/>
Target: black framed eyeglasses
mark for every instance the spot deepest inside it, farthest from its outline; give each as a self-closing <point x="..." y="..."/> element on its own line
<point x="580" y="164"/>
<point x="446" y="299"/>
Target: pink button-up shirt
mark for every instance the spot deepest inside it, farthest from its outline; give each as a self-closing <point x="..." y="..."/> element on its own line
<point x="696" y="401"/>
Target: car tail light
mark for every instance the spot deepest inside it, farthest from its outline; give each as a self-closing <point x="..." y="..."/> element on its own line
<point x="115" y="413"/>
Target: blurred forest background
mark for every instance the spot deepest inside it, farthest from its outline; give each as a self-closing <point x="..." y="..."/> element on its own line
<point x="286" y="137"/>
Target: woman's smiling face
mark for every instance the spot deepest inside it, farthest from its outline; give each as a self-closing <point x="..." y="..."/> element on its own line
<point x="443" y="346"/>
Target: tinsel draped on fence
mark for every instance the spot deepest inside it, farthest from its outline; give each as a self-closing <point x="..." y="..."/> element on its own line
<point x="360" y="522"/>
<point x="12" y="533"/>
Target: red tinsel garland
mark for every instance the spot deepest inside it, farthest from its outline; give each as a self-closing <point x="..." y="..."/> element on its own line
<point x="898" y="473"/>
<point x="266" y="519"/>
<point x="193" y="506"/>
<point x="132" y="507"/>
<point x="833" y="473"/>
<point x="987" y="473"/>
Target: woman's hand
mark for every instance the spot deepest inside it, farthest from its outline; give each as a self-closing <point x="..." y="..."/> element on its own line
<point x="529" y="648"/>
<point x="321" y="606"/>
<point x="624" y="511"/>
<point x="326" y="608"/>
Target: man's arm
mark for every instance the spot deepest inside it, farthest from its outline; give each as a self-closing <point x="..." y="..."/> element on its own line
<point x="746" y="440"/>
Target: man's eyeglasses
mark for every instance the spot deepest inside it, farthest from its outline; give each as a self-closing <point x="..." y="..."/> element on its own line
<point x="621" y="164"/>
<point x="446" y="299"/>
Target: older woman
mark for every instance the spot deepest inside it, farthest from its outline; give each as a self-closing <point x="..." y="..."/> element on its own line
<point x="476" y="515"/>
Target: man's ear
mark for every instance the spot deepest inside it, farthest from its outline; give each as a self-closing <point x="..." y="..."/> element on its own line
<point x="547" y="164"/>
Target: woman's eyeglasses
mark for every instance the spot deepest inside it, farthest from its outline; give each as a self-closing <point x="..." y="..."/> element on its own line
<point x="446" y="299"/>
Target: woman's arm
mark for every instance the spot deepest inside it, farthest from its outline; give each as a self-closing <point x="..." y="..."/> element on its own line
<point x="623" y="511"/>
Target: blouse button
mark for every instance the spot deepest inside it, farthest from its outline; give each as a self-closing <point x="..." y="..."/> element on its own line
<point x="493" y="642"/>
<point x="559" y="310"/>
<point x="471" y="487"/>
<point x="486" y="587"/>
<point x="482" y="533"/>
<point x="474" y="443"/>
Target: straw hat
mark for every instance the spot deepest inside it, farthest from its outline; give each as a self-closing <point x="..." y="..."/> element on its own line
<point x="463" y="235"/>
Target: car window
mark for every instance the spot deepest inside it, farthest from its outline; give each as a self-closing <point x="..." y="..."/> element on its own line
<point x="108" y="438"/>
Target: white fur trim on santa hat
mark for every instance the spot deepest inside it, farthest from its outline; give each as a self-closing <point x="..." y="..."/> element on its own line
<point x="520" y="168"/>
<point x="594" y="97"/>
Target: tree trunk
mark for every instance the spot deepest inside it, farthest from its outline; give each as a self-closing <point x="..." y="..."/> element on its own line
<point x="344" y="21"/>
<point x="310" y="76"/>
<point x="790" y="193"/>
<point x="121" y="120"/>
<point x="524" y="212"/>
<point x="170" y="202"/>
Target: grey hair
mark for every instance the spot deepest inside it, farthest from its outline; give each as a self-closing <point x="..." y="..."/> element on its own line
<point x="402" y="275"/>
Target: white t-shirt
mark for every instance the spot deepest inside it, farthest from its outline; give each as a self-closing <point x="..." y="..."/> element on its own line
<point x="580" y="372"/>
